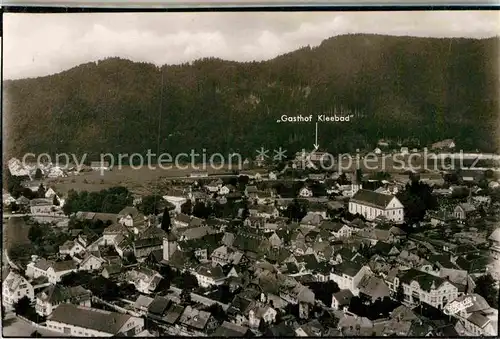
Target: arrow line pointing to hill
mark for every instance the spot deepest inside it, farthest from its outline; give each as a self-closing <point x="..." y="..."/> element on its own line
<point x="316" y="145"/>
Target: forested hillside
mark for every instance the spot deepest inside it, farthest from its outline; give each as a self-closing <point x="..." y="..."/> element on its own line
<point x="398" y="87"/>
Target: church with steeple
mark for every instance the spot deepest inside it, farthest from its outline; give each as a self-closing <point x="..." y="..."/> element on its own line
<point x="169" y="240"/>
<point x="356" y="182"/>
<point x="169" y="245"/>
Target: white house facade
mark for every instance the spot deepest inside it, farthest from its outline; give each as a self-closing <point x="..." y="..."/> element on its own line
<point x="91" y="263"/>
<point x="479" y="319"/>
<point x="347" y="275"/>
<point x="209" y="276"/>
<point x="52" y="270"/>
<point x="15" y="287"/>
<point x="422" y="287"/>
<point x="79" y="321"/>
<point x="371" y="205"/>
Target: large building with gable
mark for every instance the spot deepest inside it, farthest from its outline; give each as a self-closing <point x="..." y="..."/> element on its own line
<point x="371" y="205"/>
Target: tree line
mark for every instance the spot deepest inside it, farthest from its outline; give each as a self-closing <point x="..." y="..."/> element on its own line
<point x="225" y="106"/>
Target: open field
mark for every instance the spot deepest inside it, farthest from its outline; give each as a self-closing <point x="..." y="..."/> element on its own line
<point x="142" y="180"/>
<point x="137" y="180"/>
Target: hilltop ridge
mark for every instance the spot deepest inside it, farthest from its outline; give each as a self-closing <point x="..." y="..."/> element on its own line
<point x="402" y="87"/>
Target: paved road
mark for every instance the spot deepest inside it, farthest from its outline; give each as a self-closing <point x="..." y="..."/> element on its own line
<point x="16" y="327"/>
<point x="8" y="215"/>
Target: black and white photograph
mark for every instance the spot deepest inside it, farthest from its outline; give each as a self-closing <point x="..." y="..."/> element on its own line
<point x="244" y="173"/>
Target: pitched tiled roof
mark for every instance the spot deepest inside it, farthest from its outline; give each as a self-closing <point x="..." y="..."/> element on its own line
<point x="343" y="297"/>
<point x="347" y="267"/>
<point x="467" y="207"/>
<point x="374" y="287"/>
<point x="197" y="232"/>
<point x="242" y="303"/>
<point x="57" y="294"/>
<point x="195" y="318"/>
<point x="173" y="313"/>
<point x="159" y="305"/>
<point x="280" y="330"/>
<point x="129" y="211"/>
<point x="13" y="280"/>
<point x="425" y="280"/>
<point x="331" y="225"/>
<point x="149" y="242"/>
<point x="209" y="271"/>
<point x="143" y="302"/>
<point x="113" y="269"/>
<point x="473" y="263"/>
<point x="228" y="239"/>
<point x="43" y="264"/>
<point x="179" y="259"/>
<point x="116" y="228"/>
<point x="228" y="329"/>
<point x="90" y="318"/>
<point x="196" y="222"/>
<point x="372" y="198"/>
<point x="97" y="216"/>
<point x="209" y="242"/>
<point x="346" y="253"/>
<point x="251" y="189"/>
<point x="309" y="260"/>
<point x="495" y="236"/>
<point x="184" y="218"/>
<point x="382" y="248"/>
<point x="248" y="242"/>
<point x="312" y="219"/>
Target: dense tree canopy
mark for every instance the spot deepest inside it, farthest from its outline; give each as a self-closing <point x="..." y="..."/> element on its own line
<point x="187" y="207"/>
<point x="362" y="306"/>
<point x="296" y="211"/>
<point x="417" y="198"/>
<point x="151" y="205"/>
<point x="103" y="288"/>
<point x="82" y="278"/>
<point x="485" y="287"/>
<point x="46" y="239"/>
<point x="386" y="82"/>
<point x="111" y="200"/>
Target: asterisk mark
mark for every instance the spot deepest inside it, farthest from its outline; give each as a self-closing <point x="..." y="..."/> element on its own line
<point x="280" y="154"/>
<point x="262" y="153"/>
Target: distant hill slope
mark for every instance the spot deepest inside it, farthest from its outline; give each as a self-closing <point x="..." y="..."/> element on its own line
<point x="399" y="87"/>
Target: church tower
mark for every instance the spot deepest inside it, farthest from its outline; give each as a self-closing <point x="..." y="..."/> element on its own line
<point x="169" y="246"/>
<point x="356" y="182"/>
